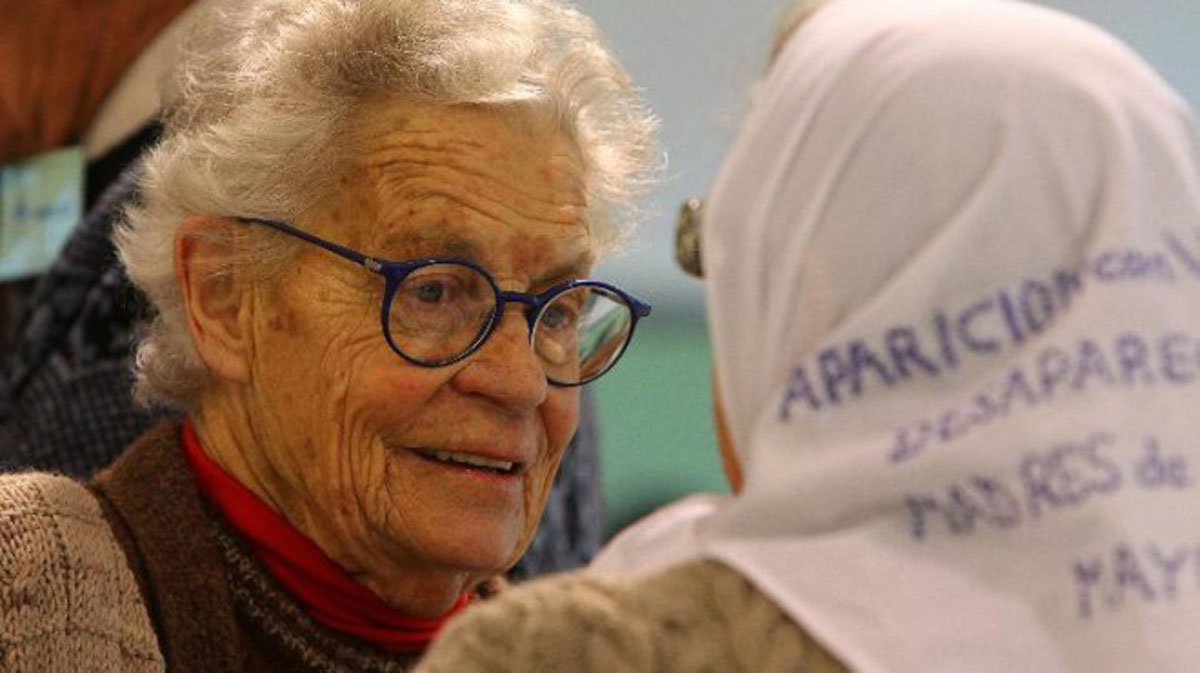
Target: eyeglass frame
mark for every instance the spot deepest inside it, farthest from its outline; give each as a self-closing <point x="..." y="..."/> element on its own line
<point x="395" y="272"/>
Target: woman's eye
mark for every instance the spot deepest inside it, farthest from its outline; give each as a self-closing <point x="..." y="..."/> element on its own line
<point x="431" y="292"/>
<point x="558" y="317"/>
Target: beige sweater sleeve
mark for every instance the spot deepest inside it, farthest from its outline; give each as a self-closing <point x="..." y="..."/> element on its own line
<point x="701" y="616"/>
<point x="68" y="600"/>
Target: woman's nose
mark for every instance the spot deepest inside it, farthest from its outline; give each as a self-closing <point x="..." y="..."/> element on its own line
<point x="505" y="368"/>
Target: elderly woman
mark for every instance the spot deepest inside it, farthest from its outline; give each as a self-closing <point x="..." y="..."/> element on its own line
<point x="366" y="234"/>
<point x="952" y="264"/>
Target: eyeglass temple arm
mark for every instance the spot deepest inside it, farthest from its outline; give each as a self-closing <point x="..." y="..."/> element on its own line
<point x="640" y="308"/>
<point x="352" y="255"/>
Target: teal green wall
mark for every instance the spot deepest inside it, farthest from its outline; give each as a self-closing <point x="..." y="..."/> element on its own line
<point x="655" y="422"/>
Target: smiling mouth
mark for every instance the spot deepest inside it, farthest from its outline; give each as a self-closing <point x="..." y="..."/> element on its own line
<point x="472" y="462"/>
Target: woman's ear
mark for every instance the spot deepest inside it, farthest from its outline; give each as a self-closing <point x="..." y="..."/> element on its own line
<point x="212" y="295"/>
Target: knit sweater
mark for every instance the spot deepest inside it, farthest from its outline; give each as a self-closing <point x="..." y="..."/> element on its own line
<point x="138" y="574"/>
<point x="698" y="617"/>
<point x="68" y="601"/>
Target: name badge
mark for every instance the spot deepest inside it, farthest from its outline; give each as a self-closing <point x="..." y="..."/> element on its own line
<point x="41" y="201"/>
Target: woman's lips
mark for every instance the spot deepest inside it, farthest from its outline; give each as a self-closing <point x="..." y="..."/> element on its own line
<point x="472" y="461"/>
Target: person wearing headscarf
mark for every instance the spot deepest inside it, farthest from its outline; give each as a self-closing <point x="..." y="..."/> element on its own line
<point x="952" y="264"/>
<point x="364" y="237"/>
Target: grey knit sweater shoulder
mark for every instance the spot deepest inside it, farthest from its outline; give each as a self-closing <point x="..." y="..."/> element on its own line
<point x="68" y="600"/>
<point x="698" y="617"/>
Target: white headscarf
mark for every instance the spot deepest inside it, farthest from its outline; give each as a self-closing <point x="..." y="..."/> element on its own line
<point x="954" y="288"/>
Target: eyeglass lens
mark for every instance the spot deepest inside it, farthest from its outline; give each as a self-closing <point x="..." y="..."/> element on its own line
<point x="440" y="311"/>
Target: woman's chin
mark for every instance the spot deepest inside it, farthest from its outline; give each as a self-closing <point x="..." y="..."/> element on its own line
<point x="454" y="549"/>
<point x="454" y="519"/>
<point x="479" y="550"/>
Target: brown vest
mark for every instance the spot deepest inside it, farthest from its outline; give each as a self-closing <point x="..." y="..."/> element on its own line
<point x="212" y="605"/>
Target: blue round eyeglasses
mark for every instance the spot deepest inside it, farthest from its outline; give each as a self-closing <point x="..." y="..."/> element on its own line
<point x="438" y="311"/>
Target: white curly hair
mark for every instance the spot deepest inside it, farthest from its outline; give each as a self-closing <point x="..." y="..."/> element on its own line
<point x="262" y="82"/>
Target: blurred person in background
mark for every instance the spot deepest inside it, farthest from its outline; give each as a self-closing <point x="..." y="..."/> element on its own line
<point x="952" y="264"/>
<point x="364" y="236"/>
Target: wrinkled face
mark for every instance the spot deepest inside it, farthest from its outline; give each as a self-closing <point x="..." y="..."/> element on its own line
<point x="351" y="425"/>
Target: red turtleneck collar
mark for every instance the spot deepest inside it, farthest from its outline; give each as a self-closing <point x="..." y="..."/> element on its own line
<point x="322" y="588"/>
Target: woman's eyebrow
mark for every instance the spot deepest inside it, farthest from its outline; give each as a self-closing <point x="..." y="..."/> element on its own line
<point x="573" y="269"/>
<point x="432" y="243"/>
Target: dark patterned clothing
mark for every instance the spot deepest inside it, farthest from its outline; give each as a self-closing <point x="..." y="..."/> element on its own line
<point x="273" y="618"/>
<point x="65" y="401"/>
